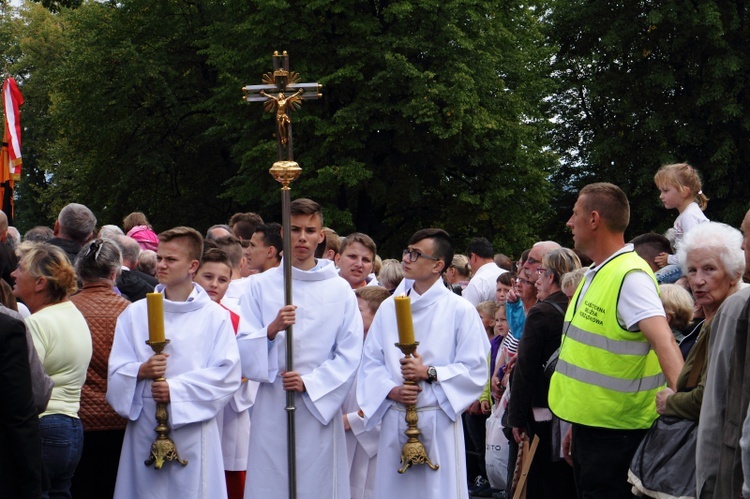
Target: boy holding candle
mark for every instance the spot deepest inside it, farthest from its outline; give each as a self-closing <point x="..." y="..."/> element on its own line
<point x="201" y="367"/>
<point x="449" y="368"/>
<point x="328" y="339"/>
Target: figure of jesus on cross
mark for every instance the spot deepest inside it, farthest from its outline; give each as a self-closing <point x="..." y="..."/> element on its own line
<point x="282" y="93"/>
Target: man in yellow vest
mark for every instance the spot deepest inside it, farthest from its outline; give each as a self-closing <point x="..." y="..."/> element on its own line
<point x="617" y="350"/>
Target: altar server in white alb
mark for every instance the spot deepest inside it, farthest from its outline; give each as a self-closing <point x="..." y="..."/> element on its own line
<point x="202" y="371"/>
<point x="361" y="445"/>
<point x="449" y="366"/>
<point x="327" y="347"/>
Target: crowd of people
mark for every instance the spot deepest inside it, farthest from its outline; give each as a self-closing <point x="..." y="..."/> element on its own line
<point x="581" y="349"/>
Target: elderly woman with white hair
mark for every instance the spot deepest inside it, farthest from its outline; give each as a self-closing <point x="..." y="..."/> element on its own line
<point x="713" y="261"/>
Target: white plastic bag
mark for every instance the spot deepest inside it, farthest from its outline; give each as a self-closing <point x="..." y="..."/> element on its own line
<point x="496" y="449"/>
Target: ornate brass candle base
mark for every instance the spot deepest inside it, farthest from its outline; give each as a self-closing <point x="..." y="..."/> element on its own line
<point x="163" y="449"/>
<point x="413" y="451"/>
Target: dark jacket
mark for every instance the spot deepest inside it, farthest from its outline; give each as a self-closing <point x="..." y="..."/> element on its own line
<point x="729" y="479"/>
<point x="20" y="445"/>
<point x="71" y="248"/>
<point x="133" y="287"/>
<point x="542" y="333"/>
<point x="153" y="281"/>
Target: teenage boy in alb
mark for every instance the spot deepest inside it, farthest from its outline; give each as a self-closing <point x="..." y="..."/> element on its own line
<point x="328" y="343"/>
<point x="214" y="275"/>
<point x="449" y="366"/>
<point x="201" y="367"/>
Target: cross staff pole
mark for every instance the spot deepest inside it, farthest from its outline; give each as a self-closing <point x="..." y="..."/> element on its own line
<point x="282" y="93"/>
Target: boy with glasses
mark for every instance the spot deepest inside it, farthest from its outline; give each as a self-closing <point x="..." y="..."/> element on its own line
<point x="449" y="368"/>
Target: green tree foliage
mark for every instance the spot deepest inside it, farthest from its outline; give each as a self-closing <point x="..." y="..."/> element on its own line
<point x="647" y="83"/>
<point x="127" y="122"/>
<point x="431" y="113"/>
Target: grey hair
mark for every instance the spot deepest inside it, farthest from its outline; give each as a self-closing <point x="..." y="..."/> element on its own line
<point x="559" y="262"/>
<point x="97" y="260"/>
<point x="129" y="248"/>
<point x="110" y="231"/>
<point x="77" y="222"/>
<point x="720" y="238"/>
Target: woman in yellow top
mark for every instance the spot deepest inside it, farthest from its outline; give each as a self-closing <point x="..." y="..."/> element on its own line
<point x="44" y="280"/>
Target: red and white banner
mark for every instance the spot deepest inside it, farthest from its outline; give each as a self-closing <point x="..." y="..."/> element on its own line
<point x="12" y="99"/>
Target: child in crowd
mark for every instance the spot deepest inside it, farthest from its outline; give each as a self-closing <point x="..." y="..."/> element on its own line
<point x="214" y="275"/>
<point x="361" y="445"/>
<point x="486" y="311"/>
<point x="503" y="287"/>
<point x="678" y="305"/>
<point x="501" y="358"/>
<point x="680" y="187"/>
<point x="570" y="280"/>
<point x="201" y="365"/>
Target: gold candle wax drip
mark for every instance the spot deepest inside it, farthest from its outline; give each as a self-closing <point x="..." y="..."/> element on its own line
<point x="413" y="451"/>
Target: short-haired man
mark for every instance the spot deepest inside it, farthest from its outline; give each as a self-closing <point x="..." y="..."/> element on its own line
<point x="449" y="368"/>
<point x="616" y="347"/>
<point x="201" y="366"/>
<point x="264" y="249"/>
<point x="74" y="227"/>
<point x="485" y="271"/>
<point x="328" y="336"/>
<point x="355" y="259"/>
<point x="131" y="282"/>
<point x="244" y="224"/>
<point x="649" y="246"/>
<point x="218" y="230"/>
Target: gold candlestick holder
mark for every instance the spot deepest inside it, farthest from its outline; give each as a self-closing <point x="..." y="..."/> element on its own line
<point x="413" y="451"/>
<point x="163" y="449"/>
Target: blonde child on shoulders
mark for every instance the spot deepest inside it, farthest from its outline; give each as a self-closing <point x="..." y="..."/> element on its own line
<point x="681" y="189"/>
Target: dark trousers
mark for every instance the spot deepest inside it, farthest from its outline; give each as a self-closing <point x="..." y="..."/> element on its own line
<point x="601" y="458"/>
<point x="97" y="471"/>
<point x="548" y="478"/>
<point x="475" y="465"/>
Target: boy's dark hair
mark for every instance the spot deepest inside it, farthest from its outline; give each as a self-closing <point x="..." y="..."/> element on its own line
<point x="193" y="240"/>
<point x="442" y="243"/>
<point x="272" y="236"/>
<point x="505" y="278"/>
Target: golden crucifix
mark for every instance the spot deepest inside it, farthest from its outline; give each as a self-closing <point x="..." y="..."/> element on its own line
<point x="281" y="92"/>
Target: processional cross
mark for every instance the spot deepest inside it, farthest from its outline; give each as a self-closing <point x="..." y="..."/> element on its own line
<point x="282" y="93"/>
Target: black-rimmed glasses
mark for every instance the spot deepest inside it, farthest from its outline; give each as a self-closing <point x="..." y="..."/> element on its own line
<point x="414" y="255"/>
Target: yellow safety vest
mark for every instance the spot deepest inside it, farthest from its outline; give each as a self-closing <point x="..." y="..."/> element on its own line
<point x="606" y="376"/>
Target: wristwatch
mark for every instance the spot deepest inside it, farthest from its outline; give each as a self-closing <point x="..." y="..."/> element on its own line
<point x="431" y="374"/>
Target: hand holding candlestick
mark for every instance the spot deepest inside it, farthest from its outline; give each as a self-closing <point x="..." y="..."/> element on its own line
<point x="163" y="448"/>
<point x="413" y="451"/>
